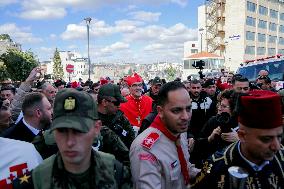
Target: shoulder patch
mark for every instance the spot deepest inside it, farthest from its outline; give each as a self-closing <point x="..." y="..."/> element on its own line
<point x="150" y="140"/>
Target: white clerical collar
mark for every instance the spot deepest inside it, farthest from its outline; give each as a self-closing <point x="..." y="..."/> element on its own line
<point x="34" y="130"/>
<point x="253" y="165"/>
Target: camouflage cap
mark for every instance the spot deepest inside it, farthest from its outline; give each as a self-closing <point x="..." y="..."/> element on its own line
<point x="74" y="109"/>
<point x="112" y="91"/>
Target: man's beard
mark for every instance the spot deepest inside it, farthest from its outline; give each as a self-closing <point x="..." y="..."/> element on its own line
<point x="45" y="123"/>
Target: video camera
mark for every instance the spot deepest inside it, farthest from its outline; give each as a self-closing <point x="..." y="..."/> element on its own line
<point x="199" y="65"/>
<point x="223" y="120"/>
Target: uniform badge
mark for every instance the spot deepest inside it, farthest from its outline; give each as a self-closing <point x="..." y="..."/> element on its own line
<point x="150" y="140"/>
<point x="69" y="103"/>
<point x="124" y="132"/>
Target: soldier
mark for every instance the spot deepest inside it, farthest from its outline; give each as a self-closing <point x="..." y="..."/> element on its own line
<point x="77" y="165"/>
<point x="259" y="151"/>
<point x="109" y="99"/>
<point x="159" y="156"/>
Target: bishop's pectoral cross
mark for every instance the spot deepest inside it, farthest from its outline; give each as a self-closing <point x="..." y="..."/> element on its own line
<point x="138" y="119"/>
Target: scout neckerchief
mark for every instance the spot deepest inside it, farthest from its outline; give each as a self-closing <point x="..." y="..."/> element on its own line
<point x="158" y="124"/>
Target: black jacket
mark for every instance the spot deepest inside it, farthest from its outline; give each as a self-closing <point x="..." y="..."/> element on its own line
<point x="19" y="132"/>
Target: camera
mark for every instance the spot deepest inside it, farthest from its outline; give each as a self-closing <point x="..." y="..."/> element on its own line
<point x="199" y="65"/>
<point x="223" y="121"/>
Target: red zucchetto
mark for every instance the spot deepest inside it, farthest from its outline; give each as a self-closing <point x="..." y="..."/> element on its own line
<point x="133" y="79"/>
<point x="261" y="110"/>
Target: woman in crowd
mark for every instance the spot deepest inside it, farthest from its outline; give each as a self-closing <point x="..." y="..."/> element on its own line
<point x="219" y="131"/>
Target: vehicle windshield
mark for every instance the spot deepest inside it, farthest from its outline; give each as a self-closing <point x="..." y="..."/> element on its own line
<point x="275" y="69"/>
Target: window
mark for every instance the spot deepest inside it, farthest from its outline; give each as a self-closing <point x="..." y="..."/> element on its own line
<point x="262" y="10"/>
<point x="250" y="21"/>
<point x="262" y="24"/>
<point x="271" y="51"/>
<point x="193" y="51"/>
<point x="261" y="37"/>
<point x="250" y="36"/>
<point x="281" y="51"/>
<point x="251" y="6"/>
<point x="250" y="50"/>
<point x="192" y="45"/>
<point x="272" y="39"/>
<point x="260" y="50"/>
<point x="273" y="13"/>
<point x="281" y="29"/>
<point x="282" y="16"/>
<point x="272" y="26"/>
<point x="281" y="40"/>
<point x="186" y="64"/>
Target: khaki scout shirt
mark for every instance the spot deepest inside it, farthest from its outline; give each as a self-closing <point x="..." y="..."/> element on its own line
<point x="157" y="165"/>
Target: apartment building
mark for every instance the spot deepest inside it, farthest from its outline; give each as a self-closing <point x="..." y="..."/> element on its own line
<point x="241" y="30"/>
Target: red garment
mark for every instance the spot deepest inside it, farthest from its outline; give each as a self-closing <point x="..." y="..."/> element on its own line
<point x="158" y="124"/>
<point x="136" y="109"/>
<point x="133" y="79"/>
<point x="223" y="86"/>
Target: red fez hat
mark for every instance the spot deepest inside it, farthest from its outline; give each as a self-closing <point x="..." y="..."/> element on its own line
<point x="133" y="79"/>
<point x="261" y="109"/>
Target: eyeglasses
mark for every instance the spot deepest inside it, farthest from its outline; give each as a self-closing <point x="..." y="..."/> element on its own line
<point x="137" y="85"/>
<point x="222" y="106"/>
<point x="115" y="102"/>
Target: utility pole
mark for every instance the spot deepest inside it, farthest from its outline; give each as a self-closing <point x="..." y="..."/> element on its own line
<point x="88" y="21"/>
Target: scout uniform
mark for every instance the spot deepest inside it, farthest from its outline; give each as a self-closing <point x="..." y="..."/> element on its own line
<point x="157" y="160"/>
<point x="261" y="110"/>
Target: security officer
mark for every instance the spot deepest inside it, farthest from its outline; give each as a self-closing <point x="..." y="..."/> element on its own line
<point x="259" y="151"/>
<point x="109" y="99"/>
<point x="77" y="165"/>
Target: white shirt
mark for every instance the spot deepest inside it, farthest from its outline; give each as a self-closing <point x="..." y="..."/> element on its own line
<point x="17" y="158"/>
<point x="34" y="130"/>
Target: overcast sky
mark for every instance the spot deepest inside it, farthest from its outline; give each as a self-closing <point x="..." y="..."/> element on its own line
<point x="142" y="31"/>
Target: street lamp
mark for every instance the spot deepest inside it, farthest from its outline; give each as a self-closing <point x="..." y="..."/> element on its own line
<point x="88" y="21"/>
<point x="200" y="31"/>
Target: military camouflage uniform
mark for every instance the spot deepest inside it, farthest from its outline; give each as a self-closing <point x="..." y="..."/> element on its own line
<point x="120" y="125"/>
<point x="51" y="174"/>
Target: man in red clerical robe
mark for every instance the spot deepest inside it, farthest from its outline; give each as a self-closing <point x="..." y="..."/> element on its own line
<point x="138" y="106"/>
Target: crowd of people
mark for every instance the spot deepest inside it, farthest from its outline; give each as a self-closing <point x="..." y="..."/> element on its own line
<point x="142" y="135"/>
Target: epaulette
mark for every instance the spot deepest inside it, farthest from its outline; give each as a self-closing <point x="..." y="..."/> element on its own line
<point x="150" y="140"/>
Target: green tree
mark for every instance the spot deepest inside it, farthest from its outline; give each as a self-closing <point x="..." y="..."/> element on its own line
<point x="5" y="36"/>
<point x="170" y="73"/>
<point x="3" y="72"/>
<point x="57" y="66"/>
<point x="18" y="63"/>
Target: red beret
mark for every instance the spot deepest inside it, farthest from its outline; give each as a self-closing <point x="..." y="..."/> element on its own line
<point x="133" y="79"/>
<point x="261" y="109"/>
